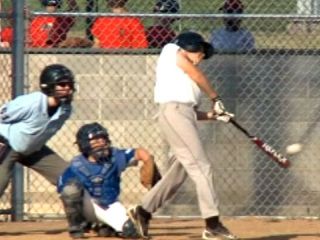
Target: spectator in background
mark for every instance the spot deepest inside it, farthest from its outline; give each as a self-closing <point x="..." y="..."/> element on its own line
<point x="232" y="37"/>
<point x="49" y="31"/>
<point x="308" y="7"/>
<point x="119" y="32"/>
<point x="76" y="42"/>
<point x="6" y="33"/>
<point x="62" y="25"/>
<point x="161" y="33"/>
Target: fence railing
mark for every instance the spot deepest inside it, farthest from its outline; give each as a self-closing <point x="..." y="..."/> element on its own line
<point x="273" y="90"/>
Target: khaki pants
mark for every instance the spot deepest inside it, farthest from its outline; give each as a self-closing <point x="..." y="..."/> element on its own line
<point x="178" y="124"/>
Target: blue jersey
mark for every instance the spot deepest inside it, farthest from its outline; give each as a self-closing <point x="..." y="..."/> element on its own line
<point x="101" y="180"/>
<point x="25" y="122"/>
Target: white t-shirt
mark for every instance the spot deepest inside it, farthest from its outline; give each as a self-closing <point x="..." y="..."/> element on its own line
<point x="172" y="83"/>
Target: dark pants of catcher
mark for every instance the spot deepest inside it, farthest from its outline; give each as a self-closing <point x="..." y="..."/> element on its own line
<point x="46" y="162"/>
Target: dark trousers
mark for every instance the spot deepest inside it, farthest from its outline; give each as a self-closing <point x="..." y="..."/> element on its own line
<point x="45" y="161"/>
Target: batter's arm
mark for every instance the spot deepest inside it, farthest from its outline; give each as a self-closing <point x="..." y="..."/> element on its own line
<point x="196" y="75"/>
<point x="204" y="115"/>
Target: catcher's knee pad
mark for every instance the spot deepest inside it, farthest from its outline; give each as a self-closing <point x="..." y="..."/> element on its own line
<point x="72" y="199"/>
<point x="73" y="190"/>
<point x="129" y="230"/>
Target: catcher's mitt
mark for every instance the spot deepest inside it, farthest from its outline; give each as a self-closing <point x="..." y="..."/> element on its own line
<point x="149" y="174"/>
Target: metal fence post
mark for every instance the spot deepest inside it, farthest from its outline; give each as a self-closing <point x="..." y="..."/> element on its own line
<point x="18" y="89"/>
<point x="91" y="6"/>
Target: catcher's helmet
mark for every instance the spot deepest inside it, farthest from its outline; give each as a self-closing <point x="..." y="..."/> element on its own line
<point x="194" y="42"/>
<point x="88" y="132"/>
<point x="166" y="6"/>
<point x="55" y="74"/>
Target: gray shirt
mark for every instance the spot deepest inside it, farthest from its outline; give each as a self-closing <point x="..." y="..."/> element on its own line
<point x="25" y="123"/>
<point x="227" y="41"/>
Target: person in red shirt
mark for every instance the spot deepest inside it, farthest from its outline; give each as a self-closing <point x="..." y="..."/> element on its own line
<point x="6" y="37"/>
<point x="49" y="31"/>
<point x="62" y="25"/>
<point x="161" y="32"/>
<point x="6" y="33"/>
<point x="119" y="32"/>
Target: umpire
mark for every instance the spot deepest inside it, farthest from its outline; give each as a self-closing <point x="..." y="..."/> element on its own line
<point x="179" y="83"/>
<point x="29" y="121"/>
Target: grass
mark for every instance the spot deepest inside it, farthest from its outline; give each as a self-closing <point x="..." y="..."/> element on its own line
<point x="268" y="33"/>
<point x="187" y="6"/>
<point x="287" y="41"/>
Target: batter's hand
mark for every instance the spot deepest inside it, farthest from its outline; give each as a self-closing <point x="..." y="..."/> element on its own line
<point x="219" y="109"/>
<point x="224" y="117"/>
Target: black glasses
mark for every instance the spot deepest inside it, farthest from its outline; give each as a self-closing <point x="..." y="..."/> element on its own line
<point x="66" y="84"/>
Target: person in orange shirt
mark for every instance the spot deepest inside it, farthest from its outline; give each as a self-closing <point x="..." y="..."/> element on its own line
<point x="62" y="25"/>
<point x="6" y="33"/>
<point x="119" y="32"/>
<point x="49" y="31"/>
<point x="38" y="30"/>
<point x="6" y="37"/>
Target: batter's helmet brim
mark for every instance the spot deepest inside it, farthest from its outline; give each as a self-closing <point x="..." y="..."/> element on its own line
<point x="208" y="50"/>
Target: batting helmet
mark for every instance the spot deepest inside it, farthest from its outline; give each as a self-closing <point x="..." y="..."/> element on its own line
<point x="56" y="3"/>
<point x="54" y="74"/>
<point x="194" y="42"/>
<point x="166" y="6"/>
<point x="88" y="132"/>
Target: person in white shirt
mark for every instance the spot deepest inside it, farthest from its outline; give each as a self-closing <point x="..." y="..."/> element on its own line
<point x="232" y="38"/>
<point x="179" y="83"/>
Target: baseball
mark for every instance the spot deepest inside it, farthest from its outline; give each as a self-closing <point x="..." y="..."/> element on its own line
<point x="294" y="148"/>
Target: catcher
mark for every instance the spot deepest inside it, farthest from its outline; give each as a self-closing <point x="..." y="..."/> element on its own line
<point x="89" y="188"/>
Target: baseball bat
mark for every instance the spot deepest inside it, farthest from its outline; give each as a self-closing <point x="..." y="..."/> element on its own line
<point x="270" y="151"/>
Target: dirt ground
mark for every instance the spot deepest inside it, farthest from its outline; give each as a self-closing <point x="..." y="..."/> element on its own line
<point x="248" y="228"/>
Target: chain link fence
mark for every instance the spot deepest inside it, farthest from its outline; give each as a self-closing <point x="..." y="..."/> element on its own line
<point x="273" y="88"/>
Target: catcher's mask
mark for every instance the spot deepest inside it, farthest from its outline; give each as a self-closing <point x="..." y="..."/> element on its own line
<point x="57" y="74"/>
<point x="89" y="132"/>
